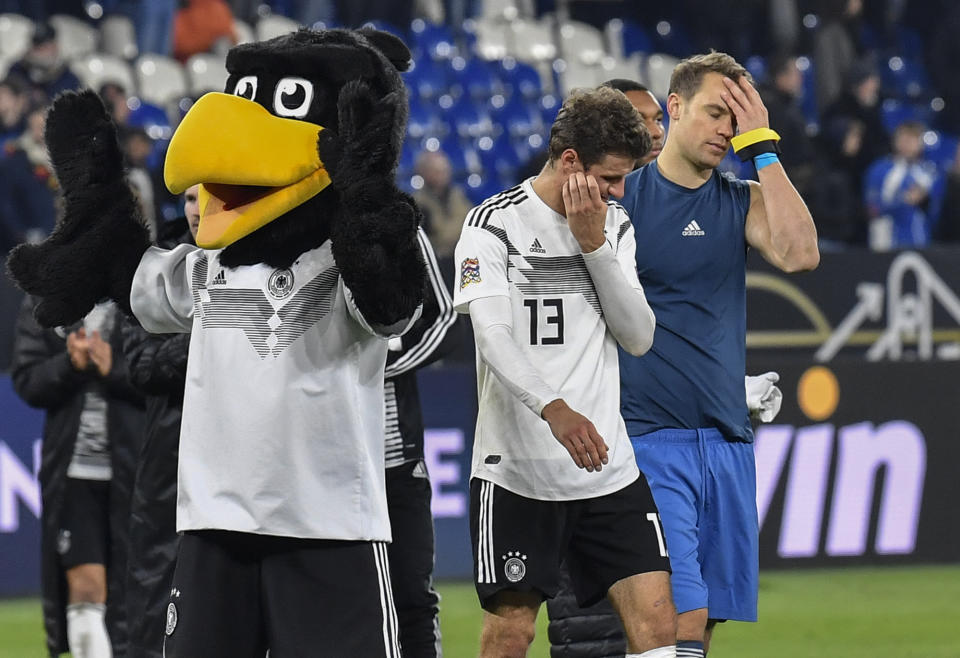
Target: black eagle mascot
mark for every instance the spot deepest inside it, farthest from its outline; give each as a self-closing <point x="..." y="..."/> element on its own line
<point x="307" y="263"/>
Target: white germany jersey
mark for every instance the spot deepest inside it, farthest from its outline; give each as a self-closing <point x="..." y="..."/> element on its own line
<point x="283" y="422"/>
<point x="514" y="245"/>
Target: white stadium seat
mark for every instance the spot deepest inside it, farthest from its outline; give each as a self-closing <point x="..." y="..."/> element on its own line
<point x="581" y="41"/>
<point x="659" y="69"/>
<point x="273" y="25"/>
<point x="491" y="39"/>
<point x="160" y="79"/>
<point x="75" y="38"/>
<point x="630" y="69"/>
<point x="96" y="69"/>
<point x="531" y="41"/>
<point x="244" y="32"/>
<point x="118" y="37"/>
<point x="207" y="72"/>
<point x="15" y="34"/>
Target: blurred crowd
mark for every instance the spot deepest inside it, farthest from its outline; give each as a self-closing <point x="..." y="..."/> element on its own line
<point x="863" y="93"/>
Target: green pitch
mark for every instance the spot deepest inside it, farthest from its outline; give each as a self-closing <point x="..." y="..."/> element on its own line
<point x="896" y="612"/>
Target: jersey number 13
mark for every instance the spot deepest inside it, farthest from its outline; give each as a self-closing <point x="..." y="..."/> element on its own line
<point x="552" y="312"/>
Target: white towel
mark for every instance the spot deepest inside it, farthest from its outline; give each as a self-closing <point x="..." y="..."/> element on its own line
<point x="763" y="396"/>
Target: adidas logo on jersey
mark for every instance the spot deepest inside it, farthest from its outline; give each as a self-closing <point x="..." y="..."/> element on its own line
<point x="693" y="229"/>
<point x="536" y="247"/>
<point x="220" y="279"/>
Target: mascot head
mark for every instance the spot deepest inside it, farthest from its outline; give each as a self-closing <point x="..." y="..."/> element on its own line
<point x="254" y="149"/>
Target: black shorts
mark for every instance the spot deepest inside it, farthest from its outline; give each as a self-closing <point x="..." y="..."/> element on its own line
<point x="236" y="595"/>
<point x="519" y="543"/>
<point x="83" y="536"/>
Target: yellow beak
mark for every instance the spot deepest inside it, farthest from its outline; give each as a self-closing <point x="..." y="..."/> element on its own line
<point x="252" y="166"/>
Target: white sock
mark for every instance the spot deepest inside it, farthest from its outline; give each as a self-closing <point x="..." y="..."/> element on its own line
<point x="87" y="631"/>
<point x="659" y="652"/>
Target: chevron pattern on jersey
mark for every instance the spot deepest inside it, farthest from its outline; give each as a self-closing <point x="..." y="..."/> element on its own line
<point x="549" y="275"/>
<point x="248" y="309"/>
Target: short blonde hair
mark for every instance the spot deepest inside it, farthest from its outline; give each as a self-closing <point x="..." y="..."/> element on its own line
<point x="687" y="77"/>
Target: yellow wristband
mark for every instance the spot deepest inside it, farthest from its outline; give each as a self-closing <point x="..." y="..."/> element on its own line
<point x="752" y="137"/>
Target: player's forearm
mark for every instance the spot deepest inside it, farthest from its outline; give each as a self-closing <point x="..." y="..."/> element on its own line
<point x="625" y="308"/>
<point x="493" y="329"/>
<point x="793" y="235"/>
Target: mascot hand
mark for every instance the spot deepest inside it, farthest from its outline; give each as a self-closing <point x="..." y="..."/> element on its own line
<point x="98" y="241"/>
<point x="365" y="149"/>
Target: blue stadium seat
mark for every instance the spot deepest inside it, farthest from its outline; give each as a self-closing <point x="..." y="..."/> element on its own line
<point x="671" y="37"/>
<point x="498" y="156"/>
<point x="468" y="120"/>
<point x="426" y="79"/>
<point x="905" y="78"/>
<point x="519" y="77"/>
<point x="549" y="106"/>
<point x="463" y="159"/>
<point x="894" y="112"/>
<point x="432" y="40"/>
<point x="635" y="39"/>
<point x="424" y="122"/>
<point x="941" y="148"/>
<point x="757" y="67"/>
<point x="519" y="118"/>
<point x="479" y="187"/>
<point x="475" y="77"/>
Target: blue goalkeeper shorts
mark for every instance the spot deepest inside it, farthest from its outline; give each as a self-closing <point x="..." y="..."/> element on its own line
<point x="705" y="489"/>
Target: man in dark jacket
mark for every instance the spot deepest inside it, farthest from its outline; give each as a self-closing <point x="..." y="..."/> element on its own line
<point x="92" y="430"/>
<point x="158" y="367"/>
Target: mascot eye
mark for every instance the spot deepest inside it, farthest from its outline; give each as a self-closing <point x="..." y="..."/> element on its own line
<point x="246" y="87"/>
<point x="292" y="98"/>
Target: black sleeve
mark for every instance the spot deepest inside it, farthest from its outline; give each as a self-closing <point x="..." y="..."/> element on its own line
<point x="429" y="338"/>
<point x="157" y="362"/>
<point x="41" y="370"/>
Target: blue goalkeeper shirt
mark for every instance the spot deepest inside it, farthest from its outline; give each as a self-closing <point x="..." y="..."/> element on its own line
<point x="691" y="253"/>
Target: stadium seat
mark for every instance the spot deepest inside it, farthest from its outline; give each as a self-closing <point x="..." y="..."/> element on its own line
<point x="273" y="25"/>
<point x="659" y="68"/>
<point x="672" y="38"/>
<point x="469" y="120"/>
<point x="519" y="77"/>
<point x="118" y="37"/>
<point x="941" y="148"/>
<point x="894" y="112"/>
<point x="549" y="106"/>
<point x="463" y="159"/>
<point x="245" y="33"/>
<point x="479" y="187"/>
<point x="904" y="78"/>
<point x="432" y="40"/>
<point x="507" y="9"/>
<point x="74" y="37"/>
<point x="581" y="41"/>
<point x="519" y="118"/>
<point x="491" y="39"/>
<point x="160" y="79"/>
<point x="627" y="37"/>
<point x="476" y="78"/>
<point x="630" y="68"/>
<point x="424" y="121"/>
<point x="575" y="73"/>
<point x="498" y="155"/>
<point x="152" y="119"/>
<point x="531" y="41"/>
<point x="15" y="34"/>
<point x="427" y="79"/>
<point x="206" y="72"/>
<point x="756" y="66"/>
<point x="96" y="69"/>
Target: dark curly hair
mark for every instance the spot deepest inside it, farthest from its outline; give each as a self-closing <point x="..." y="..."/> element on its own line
<point x="596" y="123"/>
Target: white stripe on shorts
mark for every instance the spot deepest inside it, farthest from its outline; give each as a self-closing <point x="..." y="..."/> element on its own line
<point x="486" y="569"/>
<point x="391" y="641"/>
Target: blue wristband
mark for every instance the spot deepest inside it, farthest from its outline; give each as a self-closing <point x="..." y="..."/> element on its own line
<point x="765" y="159"/>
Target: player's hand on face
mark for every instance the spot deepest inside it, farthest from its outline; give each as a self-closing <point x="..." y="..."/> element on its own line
<point x="77" y="349"/>
<point x="577" y="434"/>
<point x="101" y="354"/>
<point x="585" y="209"/>
<point x="744" y="101"/>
